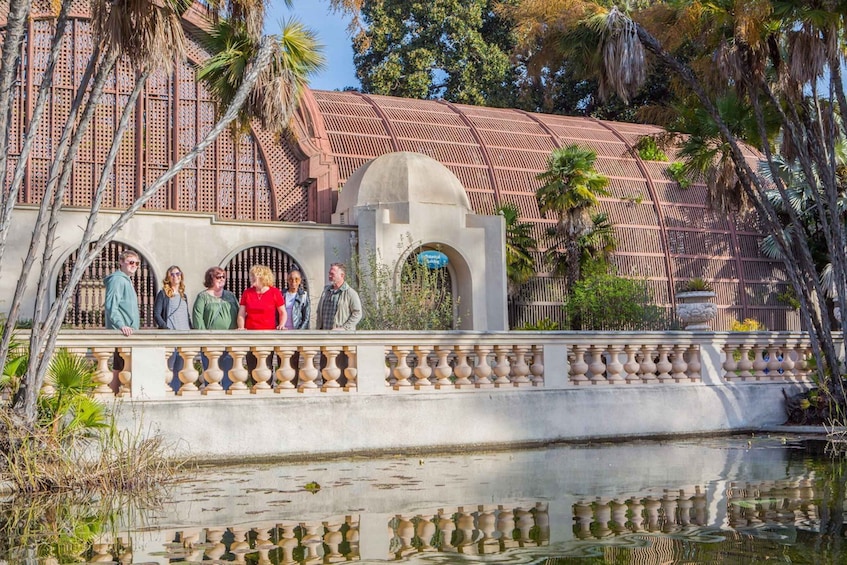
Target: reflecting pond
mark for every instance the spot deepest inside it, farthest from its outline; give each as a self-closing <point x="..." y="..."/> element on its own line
<point x="740" y="499"/>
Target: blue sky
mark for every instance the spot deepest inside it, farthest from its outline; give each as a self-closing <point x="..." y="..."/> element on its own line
<point x="331" y="30"/>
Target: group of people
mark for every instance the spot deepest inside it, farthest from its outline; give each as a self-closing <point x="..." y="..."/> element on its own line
<point x="262" y="306"/>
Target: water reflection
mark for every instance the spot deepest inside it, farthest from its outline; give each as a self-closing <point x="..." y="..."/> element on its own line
<point x="705" y="500"/>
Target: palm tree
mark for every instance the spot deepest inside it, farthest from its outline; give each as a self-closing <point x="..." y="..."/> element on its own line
<point x="520" y="265"/>
<point x="570" y="190"/>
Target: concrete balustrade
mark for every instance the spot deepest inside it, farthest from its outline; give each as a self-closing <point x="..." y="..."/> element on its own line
<point x="227" y="364"/>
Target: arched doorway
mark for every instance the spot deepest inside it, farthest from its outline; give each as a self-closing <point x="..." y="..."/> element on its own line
<point x="276" y="259"/>
<point x="431" y="280"/>
<point x="86" y="307"/>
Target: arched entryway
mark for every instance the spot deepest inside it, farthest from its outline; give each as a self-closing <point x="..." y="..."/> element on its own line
<point x="86" y="307"/>
<point x="424" y="266"/>
<point x="276" y="259"/>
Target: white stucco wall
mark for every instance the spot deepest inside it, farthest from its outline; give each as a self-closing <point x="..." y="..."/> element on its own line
<point x="195" y="242"/>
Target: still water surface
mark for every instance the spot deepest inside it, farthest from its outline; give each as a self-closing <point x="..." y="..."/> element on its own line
<point x="741" y="499"/>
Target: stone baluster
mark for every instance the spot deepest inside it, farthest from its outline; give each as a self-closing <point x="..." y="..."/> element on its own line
<point x="579" y="367"/>
<point x="774" y="364"/>
<point x="506" y="526"/>
<point x="537" y="367"/>
<point x="333" y="539"/>
<point x="286" y="373"/>
<point x="631" y="365"/>
<point x="664" y="366"/>
<point x="125" y="374"/>
<point x="801" y="368"/>
<point x="262" y="373"/>
<point x="694" y="364"/>
<point x="331" y="372"/>
<point x="168" y="373"/>
<point x="351" y="372"/>
<point x="647" y="367"/>
<point x="614" y="367"/>
<point x="520" y="370"/>
<point x="102" y="372"/>
<point x="422" y="371"/>
<point x="263" y="538"/>
<point x="443" y="371"/>
<point x="730" y="366"/>
<point x="759" y="363"/>
<point x="405" y="532"/>
<point x="402" y="371"/>
<point x="788" y="363"/>
<point x="390" y="363"/>
<point x="463" y="369"/>
<point x="679" y="367"/>
<point x="597" y="368"/>
<point x="744" y="363"/>
<point x="238" y="374"/>
<point x="240" y="544"/>
<point x="542" y="522"/>
<point x="425" y="531"/>
<point x="308" y="371"/>
<point x="189" y="375"/>
<point x="482" y="369"/>
<point x="502" y="368"/>
<point x="213" y="375"/>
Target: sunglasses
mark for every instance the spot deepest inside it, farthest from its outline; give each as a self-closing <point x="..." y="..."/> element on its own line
<point x="220" y="277"/>
<point x="175" y="274"/>
<point x="131" y="262"/>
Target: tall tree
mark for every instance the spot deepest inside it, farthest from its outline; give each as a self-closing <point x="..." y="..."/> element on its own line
<point x="569" y="192"/>
<point x="520" y="264"/>
<point x="149" y="35"/>
<point x="457" y="50"/>
<point x="783" y="59"/>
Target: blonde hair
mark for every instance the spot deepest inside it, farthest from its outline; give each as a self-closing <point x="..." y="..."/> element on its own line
<point x="166" y="284"/>
<point x="263" y="274"/>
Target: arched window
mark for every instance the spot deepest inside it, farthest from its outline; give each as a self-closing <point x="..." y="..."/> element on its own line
<point x="277" y="260"/>
<point x="86" y="307"/>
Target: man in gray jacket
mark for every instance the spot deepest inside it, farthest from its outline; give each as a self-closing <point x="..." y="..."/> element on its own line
<point x="339" y="307"/>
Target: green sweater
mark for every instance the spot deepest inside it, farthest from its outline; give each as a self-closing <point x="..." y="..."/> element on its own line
<point x="211" y="313"/>
<point x="121" y="302"/>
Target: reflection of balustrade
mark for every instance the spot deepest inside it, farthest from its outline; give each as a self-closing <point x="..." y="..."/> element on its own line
<point x="606" y="517"/>
<point x="477" y="530"/>
<point x="772" y="502"/>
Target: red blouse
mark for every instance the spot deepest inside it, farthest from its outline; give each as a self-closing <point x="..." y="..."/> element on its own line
<point x="261" y="308"/>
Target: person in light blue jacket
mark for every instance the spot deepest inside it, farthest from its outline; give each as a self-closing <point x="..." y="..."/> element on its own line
<point x="121" y="300"/>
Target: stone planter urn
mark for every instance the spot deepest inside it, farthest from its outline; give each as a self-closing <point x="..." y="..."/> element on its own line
<point x="695" y="309"/>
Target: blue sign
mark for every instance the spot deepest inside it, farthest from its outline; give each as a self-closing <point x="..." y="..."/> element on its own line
<point x="433" y="259"/>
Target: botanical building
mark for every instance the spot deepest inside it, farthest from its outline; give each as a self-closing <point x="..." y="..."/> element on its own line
<point x="665" y="234"/>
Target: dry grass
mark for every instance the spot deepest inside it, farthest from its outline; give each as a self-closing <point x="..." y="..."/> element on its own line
<point x="32" y="461"/>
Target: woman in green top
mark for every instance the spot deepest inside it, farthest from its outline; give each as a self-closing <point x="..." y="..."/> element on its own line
<point x="215" y="308"/>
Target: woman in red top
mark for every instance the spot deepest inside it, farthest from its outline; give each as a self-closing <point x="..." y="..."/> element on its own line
<point x="262" y="306"/>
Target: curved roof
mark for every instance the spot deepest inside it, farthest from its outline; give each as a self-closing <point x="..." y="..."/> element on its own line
<point x="665" y="234"/>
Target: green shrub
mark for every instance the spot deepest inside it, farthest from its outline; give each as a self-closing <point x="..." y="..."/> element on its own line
<point x="649" y="150"/>
<point x="697" y="284"/>
<point x="608" y="302"/>
<point x="419" y="299"/>
<point x="543" y="325"/>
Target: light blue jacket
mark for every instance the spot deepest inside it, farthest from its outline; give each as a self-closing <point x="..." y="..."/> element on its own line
<point x="121" y="302"/>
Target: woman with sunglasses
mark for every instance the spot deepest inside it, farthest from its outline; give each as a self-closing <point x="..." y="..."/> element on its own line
<point x="215" y="308"/>
<point x="171" y="307"/>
